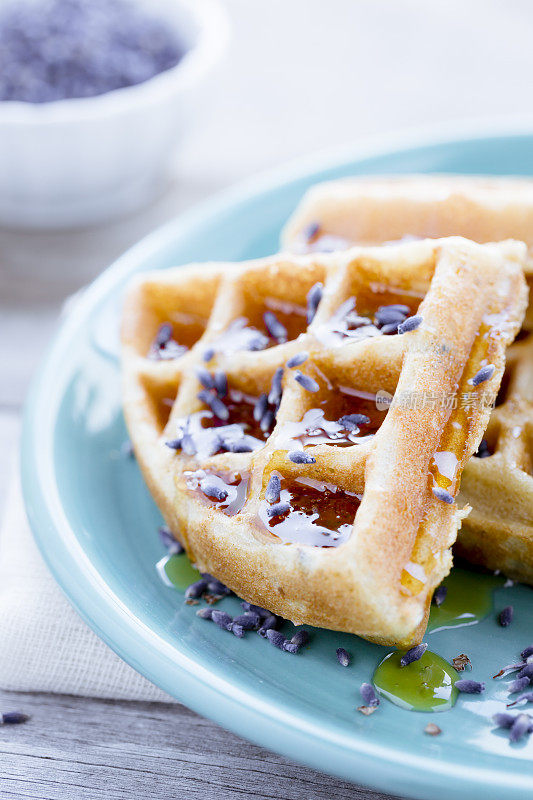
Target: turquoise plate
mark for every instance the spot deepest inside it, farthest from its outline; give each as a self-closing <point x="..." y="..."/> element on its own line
<point x="96" y="523"/>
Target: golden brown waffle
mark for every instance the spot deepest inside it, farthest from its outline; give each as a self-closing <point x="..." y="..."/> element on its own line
<point x="498" y="533"/>
<point x="265" y="496"/>
<point x="376" y="209"/>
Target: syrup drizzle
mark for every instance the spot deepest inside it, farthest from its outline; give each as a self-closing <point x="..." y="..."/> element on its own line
<point x="345" y="400"/>
<point x="204" y="435"/>
<point x="241" y="412"/>
<point x="315" y="429"/>
<point x="378" y="312"/>
<point x="293" y="318"/>
<point x="251" y="333"/>
<point x="163" y="407"/>
<point x="235" y="486"/>
<point x="423" y="685"/>
<point x="319" y="514"/>
<point x="238" y="336"/>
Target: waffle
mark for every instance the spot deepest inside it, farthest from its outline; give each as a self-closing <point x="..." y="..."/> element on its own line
<point x="498" y="533"/>
<point x="302" y="485"/>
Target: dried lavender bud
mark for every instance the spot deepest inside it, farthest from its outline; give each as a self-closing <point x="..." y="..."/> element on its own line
<point x="519" y="728"/>
<point x="13" y="718"/>
<point x="205" y="613"/>
<point x="275" y="389"/>
<point x="238" y="445"/>
<point x="503" y="720"/>
<point x="389" y="315"/>
<point x="276" y="638"/>
<point x="215" y="404"/>
<point x="300" y="638"/>
<point x="484" y="374"/>
<point x="368" y="694"/>
<point x="274" y="326"/>
<point x="519" y="684"/>
<point x="208" y="354"/>
<point x="509" y="668"/>
<point x="439" y="595"/>
<point x="290" y="647"/>
<point x="248" y="621"/>
<point x="273" y="489"/>
<point x="299" y="457"/>
<point x="270" y="623"/>
<point x="483" y="450"/>
<point x="343" y="657"/>
<point x="175" y="444"/>
<point x="469" y="687"/>
<point x="526" y="672"/>
<point x="163" y="335"/>
<point x="314" y="297"/>
<point x="263" y="612"/>
<point x="414" y="654"/>
<point x="237" y="630"/>
<point x="256" y="341"/>
<point x="215" y="586"/>
<point x="278" y="509"/>
<point x="213" y="490"/>
<point x="267" y="422"/>
<point x="220" y="383"/>
<point x="311" y="230"/>
<point x="528" y="651"/>
<point x="352" y="421"/>
<point x="205" y="377"/>
<point x="527" y="697"/>
<point x="391" y="327"/>
<point x="222" y="619"/>
<point x="505" y="617"/>
<point x="306" y="382"/>
<point x="442" y="494"/>
<point x="167" y="539"/>
<point x="195" y="590"/>
<point x="297" y="359"/>
<point x="410" y="324"/>
<point x="260" y="407"/>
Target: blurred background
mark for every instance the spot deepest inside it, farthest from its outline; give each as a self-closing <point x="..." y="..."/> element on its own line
<point x="292" y="77"/>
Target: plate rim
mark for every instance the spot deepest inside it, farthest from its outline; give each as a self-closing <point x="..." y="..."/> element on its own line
<point x="268" y="725"/>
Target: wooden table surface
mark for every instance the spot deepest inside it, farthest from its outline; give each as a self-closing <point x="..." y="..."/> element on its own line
<point x="299" y="76"/>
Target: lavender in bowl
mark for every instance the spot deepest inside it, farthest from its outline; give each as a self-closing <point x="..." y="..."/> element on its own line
<point x="60" y="49"/>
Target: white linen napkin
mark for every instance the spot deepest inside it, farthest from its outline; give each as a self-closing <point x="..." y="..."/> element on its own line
<point x="44" y="645"/>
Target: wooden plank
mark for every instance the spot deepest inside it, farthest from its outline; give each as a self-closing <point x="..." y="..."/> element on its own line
<point x="85" y="749"/>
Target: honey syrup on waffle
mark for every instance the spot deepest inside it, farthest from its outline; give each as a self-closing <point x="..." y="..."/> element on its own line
<point x="345" y="401"/>
<point x="175" y="336"/>
<point x="289" y="315"/>
<point x="376" y="310"/>
<point x="310" y="512"/>
<point x="163" y="407"/>
<point x="225" y="491"/>
<point x="241" y="409"/>
<point x="344" y="417"/>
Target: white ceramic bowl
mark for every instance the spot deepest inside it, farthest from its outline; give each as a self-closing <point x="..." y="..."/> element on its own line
<point x="83" y="161"/>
